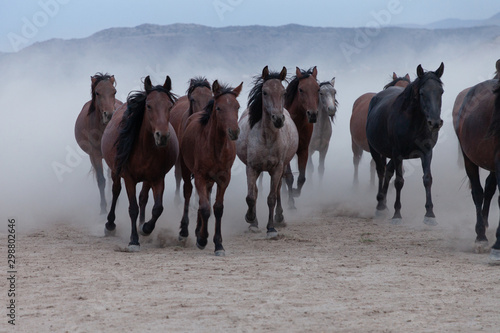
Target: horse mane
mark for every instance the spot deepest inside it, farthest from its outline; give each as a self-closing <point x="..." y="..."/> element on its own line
<point x="131" y="123"/>
<point x="196" y="82"/>
<point x="207" y="112"/>
<point x="494" y="129"/>
<point x="98" y="78"/>
<point x="409" y="96"/>
<point x="325" y="83"/>
<point x="396" y="80"/>
<point x="255" y="97"/>
<point x="292" y="88"/>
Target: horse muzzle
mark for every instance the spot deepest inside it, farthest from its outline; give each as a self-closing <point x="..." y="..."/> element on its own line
<point x="106" y="117"/>
<point x="161" y="139"/>
<point x="278" y="121"/>
<point x="312" y="117"/>
<point x="434" y="124"/>
<point x="331" y="111"/>
<point x="233" y="134"/>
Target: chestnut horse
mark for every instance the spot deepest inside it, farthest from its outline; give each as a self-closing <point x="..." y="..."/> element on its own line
<point x="301" y="101"/>
<point x="322" y="130"/>
<point x="359" y="142"/>
<point x="477" y="124"/>
<point x="207" y="153"/>
<point x="198" y="95"/>
<point x="91" y="122"/>
<point x="267" y="142"/>
<point x="404" y="123"/>
<point x="140" y="145"/>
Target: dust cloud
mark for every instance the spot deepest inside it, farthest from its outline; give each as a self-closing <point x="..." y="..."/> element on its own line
<point x="46" y="179"/>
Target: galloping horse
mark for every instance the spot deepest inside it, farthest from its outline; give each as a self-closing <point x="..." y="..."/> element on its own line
<point x="301" y="101"/>
<point x="322" y="130"/>
<point x="404" y="123"/>
<point x="359" y="142"/>
<point x="267" y="142"/>
<point x="91" y="122"/>
<point x="208" y="152"/>
<point x="477" y="124"/>
<point x="140" y="145"/>
<point x="198" y="95"/>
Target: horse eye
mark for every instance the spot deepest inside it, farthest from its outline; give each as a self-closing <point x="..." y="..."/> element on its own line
<point x="300" y="90"/>
<point x="264" y="93"/>
<point x="217" y="108"/>
<point x="148" y="106"/>
<point x="96" y="93"/>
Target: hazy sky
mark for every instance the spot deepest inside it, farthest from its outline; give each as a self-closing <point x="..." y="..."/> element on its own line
<point x="25" y="22"/>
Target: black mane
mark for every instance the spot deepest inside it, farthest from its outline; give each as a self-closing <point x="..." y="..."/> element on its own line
<point x="207" y="112"/>
<point x="396" y="80"/>
<point x="292" y="88"/>
<point x="131" y="123"/>
<point x="98" y="78"/>
<point x="255" y="97"/>
<point x="409" y="97"/>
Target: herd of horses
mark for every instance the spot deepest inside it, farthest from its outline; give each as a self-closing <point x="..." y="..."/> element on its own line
<point x="200" y="135"/>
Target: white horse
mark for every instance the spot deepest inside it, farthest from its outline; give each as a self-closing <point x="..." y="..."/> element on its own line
<point x="322" y="131"/>
<point x="268" y="140"/>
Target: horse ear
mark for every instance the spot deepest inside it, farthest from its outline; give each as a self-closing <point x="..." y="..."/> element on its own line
<point x="420" y="71"/>
<point x="237" y="90"/>
<point x="440" y="70"/>
<point x="168" y="84"/>
<point x="112" y="79"/>
<point x="394" y="76"/>
<point x="407" y="77"/>
<point x="298" y="73"/>
<point x="215" y="87"/>
<point x="332" y="82"/>
<point x="315" y="72"/>
<point x="283" y="73"/>
<point x="93" y="79"/>
<point x="265" y="73"/>
<point x="147" y="83"/>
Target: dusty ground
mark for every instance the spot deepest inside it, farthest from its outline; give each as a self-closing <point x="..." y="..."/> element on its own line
<point x="336" y="272"/>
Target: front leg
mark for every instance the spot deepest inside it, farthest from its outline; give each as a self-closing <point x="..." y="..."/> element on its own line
<point x="143" y="200"/>
<point x="271" y="200"/>
<point x="133" y="210"/>
<point x="218" y="211"/>
<point x="430" y="218"/>
<point x="302" y="156"/>
<point x="251" y="216"/>
<point x="158" y="189"/>
<point x="203" y="212"/>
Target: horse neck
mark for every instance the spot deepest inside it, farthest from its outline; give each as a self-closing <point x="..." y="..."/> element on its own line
<point x="297" y="112"/>
<point x="145" y="139"/>
<point x="268" y="130"/>
<point x="216" y="139"/>
<point x="323" y="116"/>
<point x="95" y="121"/>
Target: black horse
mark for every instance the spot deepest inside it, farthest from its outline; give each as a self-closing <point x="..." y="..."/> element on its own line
<point x="403" y="123"/>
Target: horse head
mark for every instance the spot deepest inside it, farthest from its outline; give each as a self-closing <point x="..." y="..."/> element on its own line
<point x="199" y="94"/>
<point x="103" y="96"/>
<point x="308" y="92"/>
<point x="273" y="96"/>
<point x="159" y="102"/>
<point x="327" y="97"/>
<point x="430" y="91"/>
<point x="225" y="109"/>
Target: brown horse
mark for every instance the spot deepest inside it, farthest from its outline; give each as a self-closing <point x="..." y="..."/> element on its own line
<point x="197" y="97"/>
<point x="267" y="142"/>
<point x="140" y="145"/>
<point x="207" y="153"/>
<point x="359" y="142"/>
<point x="477" y="124"/>
<point x="301" y="101"/>
<point x="91" y="122"/>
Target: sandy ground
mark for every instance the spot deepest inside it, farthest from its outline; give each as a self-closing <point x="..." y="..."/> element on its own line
<point x="336" y="271"/>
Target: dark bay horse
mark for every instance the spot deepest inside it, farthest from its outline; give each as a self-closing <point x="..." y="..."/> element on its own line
<point x="301" y="101"/>
<point x="477" y="125"/>
<point x="139" y="145"/>
<point x="322" y="130"/>
<point x="268" y="141"/>
<point x="359" y="142"/>
<point x="404" y="123"/>
<point x="91" y="122"/>
<point x="198" y="95"/>
<point x="207" y="153"/>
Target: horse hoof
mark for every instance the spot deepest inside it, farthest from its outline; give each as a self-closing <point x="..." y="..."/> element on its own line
<point x="279" y="219"/>
<point x="481" y="246"/>
<point x="296" y="193"/>
<point x="380" y="214"/>
<point x="430" y="221"/>
<point x="201" y="247"/>
<point x="182" y="239"/>
<point x="272" y="234"/>
<point x="141" y="230"/>
<point x="109" y="233"/>
<point x="397" y="221"/>
<point x="494" y="258"/>
<point x="253" y="229"/>
<point x="220" y="253"/>
<point x="133" y="248"/>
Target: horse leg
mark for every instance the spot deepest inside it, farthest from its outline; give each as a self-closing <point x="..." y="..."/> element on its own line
<point x="322" y="157"/>
<point x="178" y="177"/>
<point x="430" y="218"/>
<point x="489" y="191"/>
<point x="188" y="190"/>
<point x="373" y="167"/>
<point x="143" y="200"/>
<point x="472" y="171"/>
<point x="389" y="172"/>
<point x="101" y="180"/>
<point x="203" y="213"/>
<point x="271" y="202"/>
<point x="110" y="226"/>
<point x="380" y="167"/>
<point x="158" y="189"/>
<point x="310" y="164"/>
<point x="357" y="152"/>
<point x="218" y="211"/>
<point x="398" y="184"/>
<point x="289" y="183"/>
<point x="133" y="211"/>
<point x="495" y="249"/>
<point x="279" y="220"/>
<point x="251" y="216"/>
<point x="302" y="162"/>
